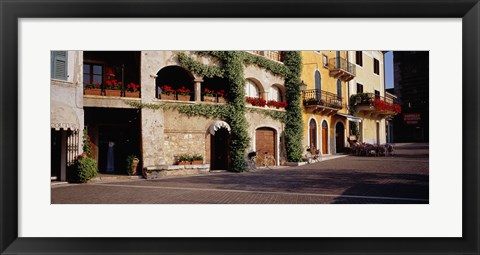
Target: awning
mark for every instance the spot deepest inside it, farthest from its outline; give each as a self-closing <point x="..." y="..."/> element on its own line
<point x="350" y="117"/>
<point x="216" y="125"/>
<point x="63" y="116"/>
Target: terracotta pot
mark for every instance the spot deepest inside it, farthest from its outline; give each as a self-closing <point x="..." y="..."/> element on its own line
<point x="134" y="166"/>
<point x="209" y="99"/>
<point x="183" y="163"/>
<point x="93" y="92"/>
<point x="113" y="93"/>
<point x="132" y="94"/>
<point x="197" y="162"/>
<point x="183" y="98"/>
<point x="167" y="97"/>
<point x="222" y="100"/>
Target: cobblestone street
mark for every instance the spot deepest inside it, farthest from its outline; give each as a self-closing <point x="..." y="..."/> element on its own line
<point x="400" y="179"/>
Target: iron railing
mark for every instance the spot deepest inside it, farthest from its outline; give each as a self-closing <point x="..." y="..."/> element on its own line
<point x="367" y="99"/>
<point x="342" y="64"/>
<point x="322" y="98"/>
<point x="380" y="103"/>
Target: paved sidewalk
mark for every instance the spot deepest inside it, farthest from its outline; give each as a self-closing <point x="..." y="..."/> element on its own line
<point x="403" y="178"/>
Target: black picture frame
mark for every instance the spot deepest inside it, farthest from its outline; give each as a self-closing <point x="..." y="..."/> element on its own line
<point x="11" y="11"/>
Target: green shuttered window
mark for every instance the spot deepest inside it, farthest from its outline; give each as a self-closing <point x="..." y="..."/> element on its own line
<point x="59" y="65"/>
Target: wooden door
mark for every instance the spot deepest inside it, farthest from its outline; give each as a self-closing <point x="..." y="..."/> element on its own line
<point x="324" y="138"/>
<point x="265" y="142"/>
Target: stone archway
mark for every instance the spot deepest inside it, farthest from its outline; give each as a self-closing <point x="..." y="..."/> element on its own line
<point x="219" y="145"/>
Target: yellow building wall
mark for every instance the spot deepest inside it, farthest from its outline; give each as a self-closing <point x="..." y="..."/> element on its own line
<point x="370" y="82"/>
<point x="312" y="61"/>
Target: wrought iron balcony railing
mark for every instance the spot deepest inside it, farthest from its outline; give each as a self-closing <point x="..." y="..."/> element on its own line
<point x="342" y="69"/>
<point x="315" y="97"/>
<point x="376" y="102"/>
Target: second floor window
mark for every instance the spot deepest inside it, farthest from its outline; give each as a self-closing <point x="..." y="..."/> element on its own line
<point x="359" y="88"/>
<point x="376" y="66"/>
<point x="275" y="94"/>
<point x="92" y="73"/>
<point x="359" y="58"/>
<point x="59" y="65"/>
<point x="251" y="89"/>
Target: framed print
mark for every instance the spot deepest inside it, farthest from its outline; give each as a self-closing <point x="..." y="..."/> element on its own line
<point x="36" y="219"/>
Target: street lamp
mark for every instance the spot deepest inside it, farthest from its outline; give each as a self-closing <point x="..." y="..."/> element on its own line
<point x="303" y="86"/>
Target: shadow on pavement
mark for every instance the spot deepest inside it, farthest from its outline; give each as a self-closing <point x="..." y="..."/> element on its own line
<point x="392" y="190"/>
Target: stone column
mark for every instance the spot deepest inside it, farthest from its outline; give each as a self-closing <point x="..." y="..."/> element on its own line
<point x="197" y="87"/>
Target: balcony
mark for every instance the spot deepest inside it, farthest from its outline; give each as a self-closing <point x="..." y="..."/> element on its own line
<point x="319" y="101"/>
<point x="374" y="106"/>
<point x="341" y="69"/>
<point x="274" y="55"/>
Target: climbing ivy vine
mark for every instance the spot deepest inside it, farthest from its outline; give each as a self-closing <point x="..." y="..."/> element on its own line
<point x="232" y="69"/>
<point x="293" y="119"/>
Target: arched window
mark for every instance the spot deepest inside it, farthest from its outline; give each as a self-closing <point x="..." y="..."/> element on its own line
<point x="275" y="94"/>
<point x="339" y="90"/>
<point x="318" y="80"/>
<point x="251" y="89"/>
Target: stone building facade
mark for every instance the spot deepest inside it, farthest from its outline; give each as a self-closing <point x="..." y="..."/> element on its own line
<point x="66" y="110"/>
<point x="146" y="123"/>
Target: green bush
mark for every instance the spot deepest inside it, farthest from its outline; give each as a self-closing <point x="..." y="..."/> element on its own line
<point x="83" y="170"/>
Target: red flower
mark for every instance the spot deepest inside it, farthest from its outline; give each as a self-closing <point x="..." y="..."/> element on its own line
<point x="208" y="92"/>
<point x="167" y="90"/>
<point x="255" y="101"/>
<point x="183" y="91"/>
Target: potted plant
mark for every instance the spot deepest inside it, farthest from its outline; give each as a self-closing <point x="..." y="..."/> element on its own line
<point x="184" y="159"/>
<point x="132" y="163"/>
<point x="94" y="89"/>
<point x="221" y="96"/>
<point x="133" y="90"/>
<point x="197" y="159"/>
<point x="208" y="95"/>
<point x="113" y="88"/>
<point x="167" y="93"/>
<point x="183" y="94"/>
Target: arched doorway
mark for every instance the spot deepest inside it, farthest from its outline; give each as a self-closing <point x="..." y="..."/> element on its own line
<point x="339" y="137"/>
<point x="265" y="144"/>
<point x="219" y="149"/>
<point x="324" y="137"/>
<point x="175" y="77"/>
<point x="313" y="134"/>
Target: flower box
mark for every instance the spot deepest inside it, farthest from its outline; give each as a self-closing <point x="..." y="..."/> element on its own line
<point x="132" y="94"/>
<point x="183" y="97"/>
<point x="93" y="92"/>
<point x="113" y="92"/>
<point x="209" y="99"/>
<point x="183" y="163"/>
<point x="167" y="97"/>
<point x="197" y="162"/>
<point x="222" y="100"/>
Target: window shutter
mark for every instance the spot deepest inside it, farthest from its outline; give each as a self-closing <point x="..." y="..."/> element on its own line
<point x="59" y="65"/>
